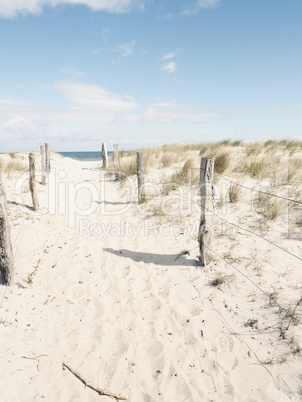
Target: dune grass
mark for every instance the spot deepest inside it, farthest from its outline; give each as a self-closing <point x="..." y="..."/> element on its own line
<point x="13" y="166"/>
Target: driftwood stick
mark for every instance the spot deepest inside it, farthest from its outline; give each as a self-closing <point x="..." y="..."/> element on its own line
<point x="87" y="384"/>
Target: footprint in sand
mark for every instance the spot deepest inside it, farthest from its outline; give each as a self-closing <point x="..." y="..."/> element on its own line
<point x="226" y="358"/>
<point x="120" y="345"/>
<point x="164" y="291"/>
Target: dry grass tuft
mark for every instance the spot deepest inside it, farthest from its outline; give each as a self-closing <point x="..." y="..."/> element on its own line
<point x="254" y="149"/>
<point x="234" y="193"/>
<point x="222" y="161"/>
<point x="220" y="279"/>
<point x="187" y="174"/>
<point x="221" y="154"/>
<point x="167" y="159"/>
<point x="268" y="206"/>
<point x="13" y="167"/>
<point x="128" y="166"/>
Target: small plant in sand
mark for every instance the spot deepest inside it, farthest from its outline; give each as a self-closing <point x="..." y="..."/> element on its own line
<point x="186" y="174"/>
<point x="268" y="206"/>
<point x="167" y="187"/>
<point x="149" y="156"/>
<point x="128" y="166"/>
<point x="283" y="360"/>
<point x="295" y="347"/>
<point x="167" y="159"/>
<point x="220" y="201"/>
<point x="289" y="317"/>
<point x="255" y="168"/>
<point x="234" y="193"/>
<point x="273" y="297"/>
<point x="252" y="322"/>
<point x="296" y="350"/>
<point x="220" y="279"/>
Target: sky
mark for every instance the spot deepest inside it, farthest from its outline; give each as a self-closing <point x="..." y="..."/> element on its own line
<point x="140" y="73"/>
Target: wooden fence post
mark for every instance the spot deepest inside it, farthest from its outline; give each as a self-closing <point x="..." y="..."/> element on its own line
<point x="205" y="235"/>
<point x="47" y="158"/>
<point x="32" y="182"/>
<point x="116" y="161"/>
<point x="6" y="250"/>
<point x="43" y="167"/>
<point x="104" y="156"/>
<point x="140" y="177"/>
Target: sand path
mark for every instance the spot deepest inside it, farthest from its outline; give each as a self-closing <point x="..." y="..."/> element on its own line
<point x="123" y="312"/>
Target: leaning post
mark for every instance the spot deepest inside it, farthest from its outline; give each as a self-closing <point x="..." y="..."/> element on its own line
<point x="6" y="250"/>
<point x="140" y="177"/>
<point x="32" y="180"/>
<point x="43" y="165"/>
<point x="104" y="156"/>
<point x="205" y="235"/>
<point x="116" y="161"/>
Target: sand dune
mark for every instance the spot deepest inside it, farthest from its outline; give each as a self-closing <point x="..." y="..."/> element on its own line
<point x="129" y="313"/>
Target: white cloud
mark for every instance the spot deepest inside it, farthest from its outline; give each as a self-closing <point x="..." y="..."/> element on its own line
<point x="170" y="67"/>
<point x="170" y="55"/>
<point x="11" y="8"/>
<point x="89" y="106"/>
<point x="17" y="127"/>
<point x="180" y="115"/>
<point x="125" y="49"/>
<point x="95" y="98"/>
<point x="81" y="121"/>
<point x="197" y="6"/>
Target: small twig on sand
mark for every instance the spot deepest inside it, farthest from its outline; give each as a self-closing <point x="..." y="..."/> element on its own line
<point x="87" y="384"/>
<point x="32" y="358"/>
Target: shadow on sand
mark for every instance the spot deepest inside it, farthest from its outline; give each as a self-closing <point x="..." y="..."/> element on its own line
<point x="21" y="205"/>
<point x="165" y="260"/>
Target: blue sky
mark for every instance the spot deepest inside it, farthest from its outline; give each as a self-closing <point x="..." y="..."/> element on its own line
<point x="140" y="73"/>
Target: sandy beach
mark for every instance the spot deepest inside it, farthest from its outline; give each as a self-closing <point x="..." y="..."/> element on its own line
<point x="114" y="290"/>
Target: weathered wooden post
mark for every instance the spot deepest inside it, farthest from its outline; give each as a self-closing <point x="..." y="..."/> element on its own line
<point x="47" y="158"/>
<point x="32" y="182"/>
<point x="104" y="156"/>
<point x="140" y="177"/>
<point x="205" y="235"/>
<point x="43" y="166"/>
<point x="116" y="161"/>
<point x="6" y="250"/>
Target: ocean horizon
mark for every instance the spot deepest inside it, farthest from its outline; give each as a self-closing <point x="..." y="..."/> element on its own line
<point x="85" y="156"/>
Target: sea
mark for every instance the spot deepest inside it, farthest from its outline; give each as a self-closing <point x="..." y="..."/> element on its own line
<point x="84" y="156"/>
